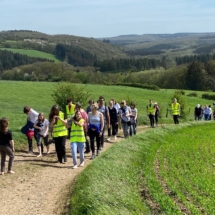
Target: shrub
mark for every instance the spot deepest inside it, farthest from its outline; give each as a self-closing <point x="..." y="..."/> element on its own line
<point x="65" y="90"/>
<point x="194" y="94"/>
<point x="208" y="96"/>
<point x="143" y="86"/>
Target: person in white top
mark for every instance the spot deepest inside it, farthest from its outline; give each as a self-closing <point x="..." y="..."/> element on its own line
<point x="28" y="129"/>
<point x="133" y="119"/>
<point x="42" y="127"/>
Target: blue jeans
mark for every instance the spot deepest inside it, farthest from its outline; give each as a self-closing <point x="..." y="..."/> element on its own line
<point x="207" y="116"/>
<point x="125" y="129"/>
<point x="80" y="147"/>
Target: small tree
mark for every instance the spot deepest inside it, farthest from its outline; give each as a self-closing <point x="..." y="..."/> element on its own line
<point x="182" y="101"/>
<point x="65" y="90"/>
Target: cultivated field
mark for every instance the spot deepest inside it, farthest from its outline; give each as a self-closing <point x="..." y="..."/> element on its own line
<point x="168" y="170"/>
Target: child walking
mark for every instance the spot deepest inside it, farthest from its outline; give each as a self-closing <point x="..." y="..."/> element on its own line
<point x="77" y="138"/>
<point x="42" y="126"/>
<point x="6" y="146"/>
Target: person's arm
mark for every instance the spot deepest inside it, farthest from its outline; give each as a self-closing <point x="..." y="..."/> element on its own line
<point x="102" y="121"/>
<point x="80" y="123"/>
<point x="37" y="127"/>
<point x="147" y="110"/>
<point x="179" y="109"/>
<point x="135" y="116"/>
<point x="108" y="119"/>
<point x="64" y="121"/>
<point x="46" y="129"/>
<point x="12" y="145"/>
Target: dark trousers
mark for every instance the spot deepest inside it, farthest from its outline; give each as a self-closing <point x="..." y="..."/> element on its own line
<point x="113" y="128"/>
<point x="60" y="147"/>
<point x="102" y="138"/>
<point x="87" y="142"/>
<point x="93" y="135"/>
<point x="6" y="150"/>
<point x="156" y="119"/>
<point x="175" y="118"/>
<point x="30" y="141"/>
<point x="152" y="120"/>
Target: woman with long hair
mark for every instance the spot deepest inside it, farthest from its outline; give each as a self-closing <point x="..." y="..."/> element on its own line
<point x="6" y="145"/>
<point x="59" y="132"/>
<point x="42" y="125"/>
<point x="77" y="138"/>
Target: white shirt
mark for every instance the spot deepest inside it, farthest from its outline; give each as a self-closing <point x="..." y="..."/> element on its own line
<point x="32" y="116"/>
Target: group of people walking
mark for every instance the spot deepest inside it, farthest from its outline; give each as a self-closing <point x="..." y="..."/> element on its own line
<point x="81" y="127"/>
<point x="203" y="112"/>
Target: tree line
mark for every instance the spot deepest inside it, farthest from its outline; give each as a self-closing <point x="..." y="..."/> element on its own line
<point x="9" y="60"/>
<point x="114" y="65"/>
<point x="191" y="58"/>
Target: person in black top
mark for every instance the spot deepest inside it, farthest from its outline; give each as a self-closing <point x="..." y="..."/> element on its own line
<point x="113" y="120"/>
<point x="6" y="145"/>
<point x="198" y="111"/>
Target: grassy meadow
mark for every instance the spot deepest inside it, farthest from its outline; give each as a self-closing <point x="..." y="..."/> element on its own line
<point x="15" y="95"/>
<point x="33" y="53"/>
<point x="168" y="170"/>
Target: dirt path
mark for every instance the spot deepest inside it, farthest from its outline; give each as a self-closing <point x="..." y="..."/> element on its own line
<point x="40" y="185"/>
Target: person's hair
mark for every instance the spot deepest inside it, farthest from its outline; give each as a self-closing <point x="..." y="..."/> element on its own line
<point x="4" y="125"/>
<point x="132" y="104"/>
<point x="78" y="106"/>
<point x="52" y="112"/>
<point x="26" y="109"/>
<point x="123" y="102"/>
<point x="94" y="105"/>
<point x="101" y="97"/>
<point x="78" y="111"/>
<point x="69" y="100"/>
<point x="41" y="114"/>
<point x="91" y="100"/>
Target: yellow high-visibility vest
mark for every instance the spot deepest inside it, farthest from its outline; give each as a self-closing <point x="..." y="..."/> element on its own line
<point x="151" y="109"/>
<point x="175" y="109"/>
<point x="59" y="129"/>
<point x="70" y="113"/>
<point x="77" y="133"/>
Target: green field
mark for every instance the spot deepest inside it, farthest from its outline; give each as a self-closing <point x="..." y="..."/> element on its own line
<point x="15" y="95"/>
<point x="33" y="53"/>
<point x="162" y="171"/>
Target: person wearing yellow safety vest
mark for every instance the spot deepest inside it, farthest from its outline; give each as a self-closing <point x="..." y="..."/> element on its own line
<point x="70" y="112"/>
<point x="150" y="110"/>
<point x="59" y="132"/>
<point x="175" y="110"/>
<point x="77" y="138"/>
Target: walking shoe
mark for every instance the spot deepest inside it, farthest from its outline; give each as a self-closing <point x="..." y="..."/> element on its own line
<point x="87" y="151"/>
<point x="82" y="164"/>
<point x="98" y="152"/>
<point x="115" y="138"/>
<point x="108" y="139"/>
<point x="75" y="167"/>
<point x="93" y="156"/>
<point x="30" y="152"/>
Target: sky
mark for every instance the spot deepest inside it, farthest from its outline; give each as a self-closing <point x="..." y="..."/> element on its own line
<point x="108" y="18"/>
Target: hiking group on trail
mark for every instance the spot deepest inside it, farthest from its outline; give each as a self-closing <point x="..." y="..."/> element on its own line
<point x="77" y="125"/>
